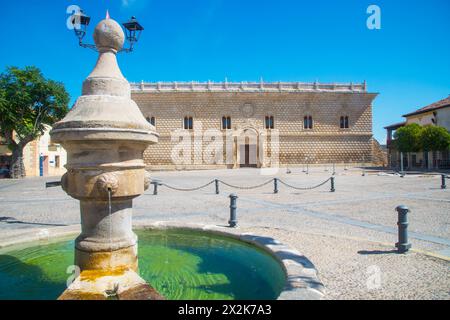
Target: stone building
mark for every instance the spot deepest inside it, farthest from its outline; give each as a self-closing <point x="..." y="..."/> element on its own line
<point x="231" y="125"/>
<point x="41" y="157"/>
<point x="435" y="114"/>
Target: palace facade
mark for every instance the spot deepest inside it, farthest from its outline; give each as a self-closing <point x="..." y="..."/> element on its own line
<point x="231" y="125"/>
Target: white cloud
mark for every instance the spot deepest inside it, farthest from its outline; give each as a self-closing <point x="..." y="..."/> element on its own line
<point x="126" y="3"/>
<point x="134" y="3"/>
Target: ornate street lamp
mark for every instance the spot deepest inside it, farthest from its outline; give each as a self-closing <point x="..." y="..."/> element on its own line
<point x="133" y="32"/>
<point x="80" y="22"/>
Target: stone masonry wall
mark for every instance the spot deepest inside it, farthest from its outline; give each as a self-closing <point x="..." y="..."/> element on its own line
<point x="325" y="143"/>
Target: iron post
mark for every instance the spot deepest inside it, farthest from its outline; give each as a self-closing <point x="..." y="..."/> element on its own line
<point x="275" y="185"/>
<point x="155" y="187"/>
<point x="216" y="181"/>
<point x="233" y="219"/>
<point x="402" y="244"/>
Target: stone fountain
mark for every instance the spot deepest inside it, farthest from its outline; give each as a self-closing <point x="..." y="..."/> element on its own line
<point x="105" y="135"/>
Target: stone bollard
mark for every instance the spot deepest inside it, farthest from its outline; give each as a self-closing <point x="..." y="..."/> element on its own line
<point x="216" y="181"/>
<point x="402" y="245"/>
<point x="233" y="219"/>
<point x="275" y="185"/>
<point x="332" y="185"/>
<point x="443" y="185"/>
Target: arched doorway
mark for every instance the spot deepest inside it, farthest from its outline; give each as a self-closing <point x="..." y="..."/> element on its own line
<point x="247" y="149"/>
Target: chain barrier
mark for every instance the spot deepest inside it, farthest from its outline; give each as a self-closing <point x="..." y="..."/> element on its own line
<point x="246" y="187"/>
<point x="304" y="188"/>
<point x="243" y="187"/>
<point x="187" y="189"/>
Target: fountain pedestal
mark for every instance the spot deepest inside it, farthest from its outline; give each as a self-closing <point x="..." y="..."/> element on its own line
<point x="105" y="135"/>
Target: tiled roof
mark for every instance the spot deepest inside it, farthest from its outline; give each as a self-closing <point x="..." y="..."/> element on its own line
<point x="396" y="125"/>
<point x="434" y="106"/>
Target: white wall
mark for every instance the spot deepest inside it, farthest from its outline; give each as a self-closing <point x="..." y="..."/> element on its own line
<point x="443" y="118"/>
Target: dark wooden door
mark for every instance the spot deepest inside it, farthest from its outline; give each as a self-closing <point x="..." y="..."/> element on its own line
<point x="249" y="161"/>
<point x="247" y="155"/>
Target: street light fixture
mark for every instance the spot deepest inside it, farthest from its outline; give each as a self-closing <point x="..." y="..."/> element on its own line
<point x="133" y="32"/>
<point x="80" y="22"/>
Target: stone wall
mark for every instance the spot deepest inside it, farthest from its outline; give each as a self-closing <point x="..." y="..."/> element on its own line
<point x="325" y="143"/>
<point x="380" y="157"/>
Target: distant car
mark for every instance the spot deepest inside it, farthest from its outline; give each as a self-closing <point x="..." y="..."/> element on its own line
<point x="4" y="173"/>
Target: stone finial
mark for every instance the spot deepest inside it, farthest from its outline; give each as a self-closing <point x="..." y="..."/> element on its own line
<point x="108" y="35"/>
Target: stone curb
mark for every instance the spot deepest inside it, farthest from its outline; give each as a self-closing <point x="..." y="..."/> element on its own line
<point x="302" y="281"/>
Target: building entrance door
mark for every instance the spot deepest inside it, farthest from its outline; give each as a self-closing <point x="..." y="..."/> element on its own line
<point x="43" y="166"/>
<point x="247" y="149"/>
<point x="248" y="154"/>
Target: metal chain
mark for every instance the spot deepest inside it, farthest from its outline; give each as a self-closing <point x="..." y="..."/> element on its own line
<point x="304" y="188"/>
<point x="247" y="187"/>
<point x="187" y="189"/>
<point x="244" y="187"/>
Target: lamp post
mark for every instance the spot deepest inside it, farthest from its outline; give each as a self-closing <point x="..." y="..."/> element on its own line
<point x="133" y="30"/>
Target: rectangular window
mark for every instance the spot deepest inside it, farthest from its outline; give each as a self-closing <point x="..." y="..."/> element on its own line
<point x="57" y="162"/>
<point x="226" y="123"/>
<point x="307" y="122"/>
<point x="269" y="122"/>
<point x="188" y="123"/>
<point x="344" y="122"/>
<point x="151" y="120"/>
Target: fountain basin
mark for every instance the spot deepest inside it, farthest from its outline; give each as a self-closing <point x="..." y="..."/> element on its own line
<point x="180" y="262"/>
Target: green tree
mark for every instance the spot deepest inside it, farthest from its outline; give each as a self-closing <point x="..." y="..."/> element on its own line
<point x="435" y="138"/>
<point x="408" y="138"/>
<point x="28" y="101"/>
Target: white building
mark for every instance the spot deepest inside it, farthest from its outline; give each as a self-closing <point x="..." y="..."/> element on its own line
<point x="438" y="114"/>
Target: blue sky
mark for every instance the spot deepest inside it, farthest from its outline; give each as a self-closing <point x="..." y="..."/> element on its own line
<point x="407" y="61"/>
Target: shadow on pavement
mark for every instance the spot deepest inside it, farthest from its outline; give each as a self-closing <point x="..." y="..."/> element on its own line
<point x="367" y="252"/>
<point x="12" y="220"/>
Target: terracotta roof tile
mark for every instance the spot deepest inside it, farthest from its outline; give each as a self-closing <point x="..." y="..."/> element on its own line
<point x="434" y="106"/>
<point x="396" y="125"/>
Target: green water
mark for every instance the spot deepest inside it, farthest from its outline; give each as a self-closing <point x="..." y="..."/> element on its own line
<point x="179" y="264"/>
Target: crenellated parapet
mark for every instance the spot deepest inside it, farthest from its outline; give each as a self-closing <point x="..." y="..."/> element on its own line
<point x="261" y="86"/>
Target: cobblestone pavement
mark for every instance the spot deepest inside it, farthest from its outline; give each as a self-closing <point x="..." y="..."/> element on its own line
<point x="349" y="234"/>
